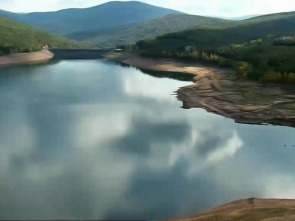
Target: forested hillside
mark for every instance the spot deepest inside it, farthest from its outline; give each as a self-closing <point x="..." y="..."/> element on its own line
<point x="16" y="37"/>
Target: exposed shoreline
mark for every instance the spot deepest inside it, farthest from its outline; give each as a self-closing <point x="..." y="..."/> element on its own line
<point x="249" y="209"/>
<point x="25" y="58"/>
<point x="46" y="55"/>
<point x="242" y="100"/>
<point x="162" y="64"/>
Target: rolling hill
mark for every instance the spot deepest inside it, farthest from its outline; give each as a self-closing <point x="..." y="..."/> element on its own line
<point x="17" y="37"/>
<point x="253" y="47"/>
<point x="8" y="14"/>
<point x="105" y="16"/>
<point x="148" y="29"/>
<point x="212" y="36"/>
<point x="250" y="209"/>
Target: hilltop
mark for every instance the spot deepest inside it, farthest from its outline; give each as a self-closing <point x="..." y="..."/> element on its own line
<point x="104" y="16"/>
<point x="251" y="209"/>
<point x="113" y="23"/>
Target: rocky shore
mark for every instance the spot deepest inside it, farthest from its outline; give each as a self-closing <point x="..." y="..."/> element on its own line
<point x="244" y="101"/>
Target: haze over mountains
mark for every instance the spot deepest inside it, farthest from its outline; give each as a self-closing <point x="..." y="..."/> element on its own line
<point x="117" y="22"/>
<point x="213" y="36"/>
<point x="108" y="15"/>
<point x="112" y="23"/>
<point x="143" y="30"/>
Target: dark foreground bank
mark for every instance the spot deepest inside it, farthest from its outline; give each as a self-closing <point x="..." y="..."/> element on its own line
<point x="251" y="210"/>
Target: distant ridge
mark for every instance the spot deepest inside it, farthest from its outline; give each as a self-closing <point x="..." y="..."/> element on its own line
<point x="131" y="33"/>
<point x="239" y="18"/>
<point x="107" y="15"/>
<point x="212" y="36"/>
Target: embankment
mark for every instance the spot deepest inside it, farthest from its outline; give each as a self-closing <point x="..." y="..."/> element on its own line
<point x="84" y="54"/>
<point x="161" y="64"/>
<point x="45" y="55"/>
<point x="24" y="58"/>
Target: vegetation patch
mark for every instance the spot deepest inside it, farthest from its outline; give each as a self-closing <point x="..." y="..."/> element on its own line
<point x="16" y="37"/>
<point x="260" y="48"/>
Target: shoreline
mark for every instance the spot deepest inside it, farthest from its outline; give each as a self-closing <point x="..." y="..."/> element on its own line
<point x="46" y="55"/>
<point x="25" y="58"/>
<point x="163" y="64"/>
<point x="244" y="101"/>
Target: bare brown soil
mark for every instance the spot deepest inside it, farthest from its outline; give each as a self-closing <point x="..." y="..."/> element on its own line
<point x="24" y="58"/>
<point x="249" y="210"/>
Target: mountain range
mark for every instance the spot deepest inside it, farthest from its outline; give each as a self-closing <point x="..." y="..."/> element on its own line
<point x="112" y="23"/>
<point x="117" y="22"/>
<point x="217" y="35"/>
<point x="105" y="16"/>
<point x="129" y="34"/>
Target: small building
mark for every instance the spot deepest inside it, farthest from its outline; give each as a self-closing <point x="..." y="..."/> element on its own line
<point x="189" y="48"/>
<point x="283" y="38"/>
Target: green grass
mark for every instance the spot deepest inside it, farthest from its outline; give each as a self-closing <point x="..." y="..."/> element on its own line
<point x="16" y="37"/>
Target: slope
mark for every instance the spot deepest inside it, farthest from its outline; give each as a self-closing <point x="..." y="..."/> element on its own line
<point x="16" y="37"/>
<point x="148" y="29"/>
<point x="250" y="209"/>
<point x="210" y="37"/>
<point x="251" y="47"/>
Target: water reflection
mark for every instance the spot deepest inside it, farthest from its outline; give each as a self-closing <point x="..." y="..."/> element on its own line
<point x="112" y="143"/>
<point x="163" y="74"/>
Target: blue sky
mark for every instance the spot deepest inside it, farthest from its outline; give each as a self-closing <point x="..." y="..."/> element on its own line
<point x="225" y="8"/>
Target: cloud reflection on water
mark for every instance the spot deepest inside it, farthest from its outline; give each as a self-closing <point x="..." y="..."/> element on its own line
<point x="121" y="147"/>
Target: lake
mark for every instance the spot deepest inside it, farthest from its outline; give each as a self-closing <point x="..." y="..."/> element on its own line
<point x="95" y="140"/>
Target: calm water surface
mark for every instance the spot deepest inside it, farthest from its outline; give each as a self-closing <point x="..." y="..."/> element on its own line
<point x="94" y="140"/>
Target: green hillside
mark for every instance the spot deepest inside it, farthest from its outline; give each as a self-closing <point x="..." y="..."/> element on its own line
<point x="144" y="30"/>
<point x="212" y="36"/>
<point x="112" y="23"/>
<point x="16" y="37"/>
<point x="251" y="47"/>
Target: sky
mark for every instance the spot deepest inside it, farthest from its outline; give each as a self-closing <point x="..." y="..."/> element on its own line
<point x="217" y="8"/>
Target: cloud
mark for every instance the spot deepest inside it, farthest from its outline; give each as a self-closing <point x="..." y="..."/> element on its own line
<point x="228" y="150"/>
<point x="45" y="5"/>
<point x="281" y="185"/>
